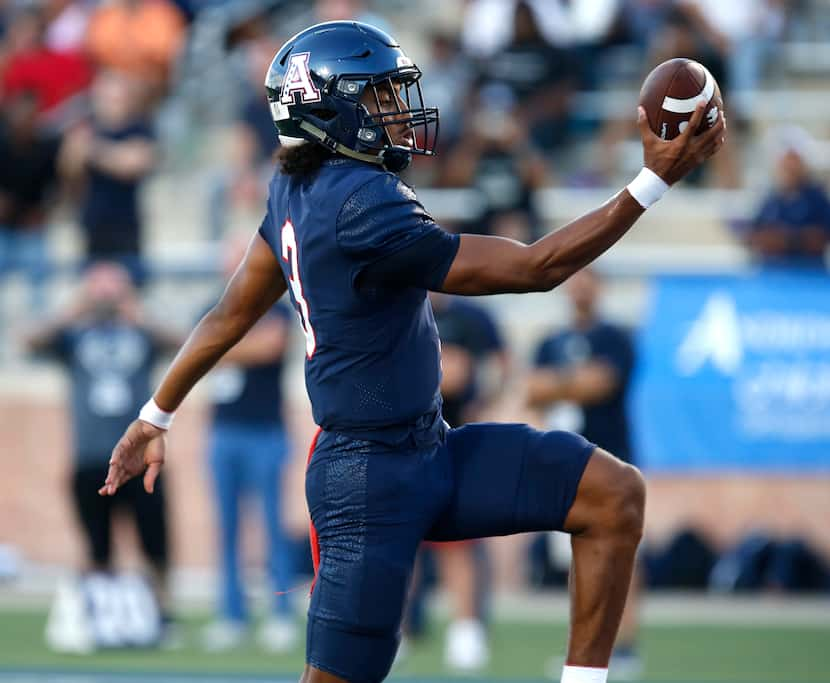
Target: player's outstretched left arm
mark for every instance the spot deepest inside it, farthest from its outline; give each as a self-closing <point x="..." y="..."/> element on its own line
<point x="254" y="288"/>
<point x="494" y="265"/>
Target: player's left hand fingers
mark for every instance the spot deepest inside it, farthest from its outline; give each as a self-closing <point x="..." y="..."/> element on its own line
<point x="689" y="133"/>
<point x="150" y="476"/>
<point x="109" y="486"/>
<point x="714" y="147"/>
<point x="709" y="142"/>
<point x="713" y="135"/>
<point x="646" y="133"/>
<point x="113" y="480"/>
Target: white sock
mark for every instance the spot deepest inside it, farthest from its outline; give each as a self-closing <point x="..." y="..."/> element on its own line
<point x="583" y="674"/>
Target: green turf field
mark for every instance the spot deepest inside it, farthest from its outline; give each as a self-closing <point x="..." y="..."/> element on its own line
<point x="692" y="654"/>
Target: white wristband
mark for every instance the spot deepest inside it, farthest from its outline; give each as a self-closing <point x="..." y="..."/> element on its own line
<point x="647" y="187"/>
<point x="156" y="416"/>
<point x="583" y="674"/>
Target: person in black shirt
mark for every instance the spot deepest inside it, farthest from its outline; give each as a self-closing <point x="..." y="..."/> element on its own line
<point x="496" y="158"/>
<point x="108" y="159"/>
<point x="471" y="345"/>
<point x="28" y="159"/>
<point x="540" y="75"/>
<point x="580" y="380"/>
<point x="792" y="226"/>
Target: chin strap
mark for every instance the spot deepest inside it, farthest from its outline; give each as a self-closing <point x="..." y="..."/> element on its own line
<point x="393" y="159"/>
<point x="332" y="144"/>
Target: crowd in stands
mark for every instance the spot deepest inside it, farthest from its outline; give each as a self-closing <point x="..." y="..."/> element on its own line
<point x="82" y="85"/>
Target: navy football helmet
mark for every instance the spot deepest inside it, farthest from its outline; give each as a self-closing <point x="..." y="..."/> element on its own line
<point x="315" y="84"/>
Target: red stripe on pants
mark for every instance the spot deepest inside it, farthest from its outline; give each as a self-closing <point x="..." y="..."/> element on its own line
<point x="312" y="532"/>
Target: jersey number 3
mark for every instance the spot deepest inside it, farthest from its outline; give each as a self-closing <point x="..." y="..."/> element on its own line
<point x="290" y="256"/>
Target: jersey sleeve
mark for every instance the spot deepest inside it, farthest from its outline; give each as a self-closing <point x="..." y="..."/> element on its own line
<point x="268" y="231"/>
<point x="392" y="240"/>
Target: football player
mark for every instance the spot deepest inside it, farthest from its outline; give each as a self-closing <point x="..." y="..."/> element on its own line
<point x="358" y="253"/>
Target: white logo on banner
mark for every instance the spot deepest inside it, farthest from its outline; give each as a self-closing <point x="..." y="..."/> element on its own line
<point x="715" y="336"/>
<point x="778" y="363"/>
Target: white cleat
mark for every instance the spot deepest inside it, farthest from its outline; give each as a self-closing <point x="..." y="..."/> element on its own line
<point x="625" y="665"/>
<point x="278" y="634"/>
<point x="466" y="646"/>
<point x="222" y="635"/>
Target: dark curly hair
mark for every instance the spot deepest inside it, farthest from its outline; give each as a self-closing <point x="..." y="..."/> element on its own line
<point x="303" y="160"/>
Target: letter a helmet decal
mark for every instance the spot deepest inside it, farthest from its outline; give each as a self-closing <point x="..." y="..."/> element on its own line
<point x="298" y="79"/>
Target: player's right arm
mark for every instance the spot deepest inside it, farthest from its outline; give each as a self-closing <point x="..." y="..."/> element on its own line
<point x="255" y="286"/>
<point x="494" y="265"/>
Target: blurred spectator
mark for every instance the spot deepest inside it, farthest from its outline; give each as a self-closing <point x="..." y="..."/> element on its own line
<point x="28" y="171"/>
<point x="580" y="379"/>
<point x="473" y="357"/>
<point x="109" y="349"/>
<point x="581" y="373"/>
<point x="742" y="32"/>
<point x="678" y="36"/>
<point x="139" y="37"/>
<point x="346" y="10"/>
<point x="793" y="224"/>
<point x="67" y="23"/>
<point x="474" y="362"/>
<point x="644" y="19"/>
<point x="248" y="451"/>
<point x="106" y="161"/>
<point x="538" y="74"/>
<point x="53" y="75"/>
<point x="252" y="136"/>
<point x="488" y="25"/>
<point x="681" y="37"/>
<point x="496" y="158"/>
<point x="449" y="73"/>
<point x="732" y="39"/>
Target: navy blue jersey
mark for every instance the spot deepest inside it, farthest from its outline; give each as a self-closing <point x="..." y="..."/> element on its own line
<point x="359" y="252"/>
<point x="604" y="423"/>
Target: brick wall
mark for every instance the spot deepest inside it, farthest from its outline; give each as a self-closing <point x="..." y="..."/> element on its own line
<point x="36" y="515"/>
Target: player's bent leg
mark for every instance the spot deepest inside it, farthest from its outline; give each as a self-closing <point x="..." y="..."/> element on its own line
<point x="512" y="479"/>
<point x="606" y="524"/>
<point x="509" y="479"/>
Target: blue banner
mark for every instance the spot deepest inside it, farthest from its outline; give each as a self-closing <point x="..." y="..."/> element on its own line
<point x="734" y="375"/>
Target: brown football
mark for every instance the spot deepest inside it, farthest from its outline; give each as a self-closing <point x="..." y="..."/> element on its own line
<point x="670" y="93"/>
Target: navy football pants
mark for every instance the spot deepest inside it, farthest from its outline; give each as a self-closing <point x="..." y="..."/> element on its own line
<point x="371" y="505"/>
